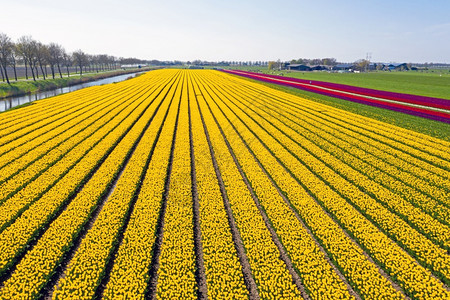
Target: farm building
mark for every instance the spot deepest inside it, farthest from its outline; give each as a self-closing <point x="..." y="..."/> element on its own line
<point x="298" y="67"/>
<point x="373" y="66"/>
<point x="195" y="67"/>
<point x="319" y="68"/>
<point x="344" y="67"/>
<point x="396" y="66"/>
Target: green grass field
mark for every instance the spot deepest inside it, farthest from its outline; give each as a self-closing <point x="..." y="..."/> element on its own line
<point x="430" y="127"/>
<point x="433" y="83"/>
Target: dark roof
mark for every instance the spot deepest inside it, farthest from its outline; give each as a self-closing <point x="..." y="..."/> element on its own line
<point x="297" y="65"/>
<point x="396" y="64"/>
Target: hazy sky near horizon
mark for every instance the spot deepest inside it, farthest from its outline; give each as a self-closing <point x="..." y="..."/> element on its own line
<point x="391" y="30"/>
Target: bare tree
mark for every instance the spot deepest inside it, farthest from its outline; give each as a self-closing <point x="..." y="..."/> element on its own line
<point x="1" y="72"/>
<point x="27" y="48"/>
<point x="91" y="61"/>
<point x="111" y="62"/>
<point x="103" y="59"/>
<point x="20" y="47"/>
<point x="80" y="60"/>
<point x="54" y="58"/>
<point x="61" y="51"/>
<point x="67" y="61"/>
<point x="33" y="57"/>
<point x="96" y="59"/>
<point x="41" y="56"/>
<point x="6" y="49"/>
<point x="14" y="56"/>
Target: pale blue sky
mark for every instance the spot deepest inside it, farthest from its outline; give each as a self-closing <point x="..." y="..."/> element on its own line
<point x="393" y="31"/>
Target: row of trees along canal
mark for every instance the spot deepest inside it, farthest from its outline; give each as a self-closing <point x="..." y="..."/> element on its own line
<point x="36" y="57"/>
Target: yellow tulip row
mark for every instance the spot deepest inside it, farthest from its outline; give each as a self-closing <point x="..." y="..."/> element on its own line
<point x="399" y="160"/>
<point x="292" y="139"/>
<point x="40" y="124"/>
<point x="316" y="272"/>
<point x="436" y="192"/>
<point x="20" y="137"/>
<point x="36" y="115"/>
<point x="409" y="154"/>
<point x="39" y="263"/>
<point x="26" y="196"/>
<point x="402" y="161"/>
<point x="354" y="197"/>
<point x="14" y="120"/>
<point x="394" y="259"/>
<point x="413" y="155"/>
<point x="388" y="133"/>
<point x="36" y="161"/>
<point x="269" y="271"/>
<point x="84" y="273"/>
<point x="315" y="111"/>
<point x="35" y="111"/>
<point x="51" y="103"/>
<point x="43" y="143"/>
<point x="14" y="238"/>
<point x="404" y="183"/>
<point x="28" y="152"/>
<point x="403" y="141"/>
<point x="223" y="270"/>
<point x="363" y="275"/>
<point x="421" y="247"/>
<point x="33" y="163"/>
<point x="326" y="135"/>
<point x="383" y="127"/>
<point x="176" y="272"/>
<point x="130" y="273"/>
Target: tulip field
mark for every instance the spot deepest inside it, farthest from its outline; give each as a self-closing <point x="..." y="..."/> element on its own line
<point x="199" y="184"/>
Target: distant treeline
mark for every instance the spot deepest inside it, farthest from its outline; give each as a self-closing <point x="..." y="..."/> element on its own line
<point x="432" y="65"/>
<point x="30" y="58"/>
